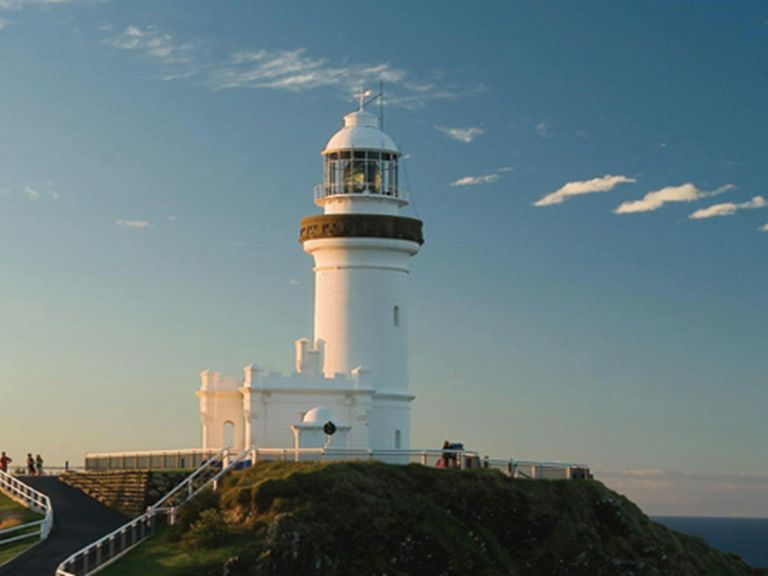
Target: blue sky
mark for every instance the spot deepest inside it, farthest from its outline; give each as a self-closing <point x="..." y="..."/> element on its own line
<point x="592" y="178"/>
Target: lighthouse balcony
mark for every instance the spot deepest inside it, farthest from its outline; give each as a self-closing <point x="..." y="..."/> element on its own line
<point x="357" y="190"/>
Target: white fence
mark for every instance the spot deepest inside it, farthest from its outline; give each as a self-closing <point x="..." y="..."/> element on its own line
<point x="114" y="545"/>
<point x="30" y="498"/>
<point x="148" y="460"/>
<point x="462" y="459"/>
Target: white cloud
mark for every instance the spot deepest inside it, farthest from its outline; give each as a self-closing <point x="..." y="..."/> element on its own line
<point x="290" y="70"/>
<point x="763" y="228"/>
<point x="3" y="23"/>
<point x="295" y="71"/>
<point x="728" y="208"/>
<point x="173" y="218"/>
<point x="31" y="193"/>
<point x="656" y="199"/>
<point x="465" y="135"/>
<point x="475" y="180"/>
<point x="544" y="129"/>
<point x="486" y="179"/>
<point x="580" y="187"/>
<point x="38" y="193"/>
<point x="294" y="282"/>
<point x="154" y="44"/>
<point x="138" y="224"/>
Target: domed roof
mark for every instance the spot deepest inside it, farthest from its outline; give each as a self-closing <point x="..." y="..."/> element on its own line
<point x="318" y="415"/>
<point x="360" y="132"/>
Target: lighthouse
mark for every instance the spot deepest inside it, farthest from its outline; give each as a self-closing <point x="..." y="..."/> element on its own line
<point x="361" y="247"/>
<point x="354" y="371"/>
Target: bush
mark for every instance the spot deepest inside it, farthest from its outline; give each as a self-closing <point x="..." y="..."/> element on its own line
<point x="192" y="510"/>
<point x="208" y="530"/>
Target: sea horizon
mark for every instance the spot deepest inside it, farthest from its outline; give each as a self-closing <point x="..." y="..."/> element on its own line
<point x="747" y="537"/>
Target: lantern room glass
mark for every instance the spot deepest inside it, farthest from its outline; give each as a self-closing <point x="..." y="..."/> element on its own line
<point x="361" y="172"/>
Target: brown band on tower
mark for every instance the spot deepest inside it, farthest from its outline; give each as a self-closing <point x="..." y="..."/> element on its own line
<point x="360" y="226"/>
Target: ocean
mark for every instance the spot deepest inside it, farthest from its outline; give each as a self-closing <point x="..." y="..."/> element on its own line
<point x="747" y="537"/>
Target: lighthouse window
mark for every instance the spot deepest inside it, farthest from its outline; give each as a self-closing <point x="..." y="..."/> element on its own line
<point x="363" y="174"/>
<point x="361" y="171"/>
<point x="396" y="315"/>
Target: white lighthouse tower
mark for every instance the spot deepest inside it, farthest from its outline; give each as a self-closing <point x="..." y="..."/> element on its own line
<point x="354" y="372"/>
<point x="361" y="246"/>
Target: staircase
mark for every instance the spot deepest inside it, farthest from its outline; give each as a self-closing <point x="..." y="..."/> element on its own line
<point x="122" y="491"/>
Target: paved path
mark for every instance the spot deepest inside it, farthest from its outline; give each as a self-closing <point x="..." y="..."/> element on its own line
<point x="78" y="520"/>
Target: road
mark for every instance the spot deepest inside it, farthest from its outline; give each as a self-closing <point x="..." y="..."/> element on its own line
<point x="78" y="520"/>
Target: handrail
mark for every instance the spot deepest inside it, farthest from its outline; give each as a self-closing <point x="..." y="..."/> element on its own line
<point x="189" y="479"/>
<point x="30" y="498"/>
<point x="125" y="538"/>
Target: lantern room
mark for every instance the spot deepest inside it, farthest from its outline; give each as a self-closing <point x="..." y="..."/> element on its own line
<point x="360" y="162"/>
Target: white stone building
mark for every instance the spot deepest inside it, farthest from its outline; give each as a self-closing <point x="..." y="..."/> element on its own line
<point x="354" y="372"/>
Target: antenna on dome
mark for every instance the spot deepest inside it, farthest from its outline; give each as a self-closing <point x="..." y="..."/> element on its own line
<point x="381" y="104"/>
<point x="365" y="97"/>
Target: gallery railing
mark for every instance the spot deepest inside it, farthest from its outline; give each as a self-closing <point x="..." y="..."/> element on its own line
<point x="32" y="499"/>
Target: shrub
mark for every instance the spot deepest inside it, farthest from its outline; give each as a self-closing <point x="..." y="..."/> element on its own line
<point x="208" y="530"/>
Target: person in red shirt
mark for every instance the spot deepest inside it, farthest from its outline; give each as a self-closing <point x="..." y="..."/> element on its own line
<point x="4" y="461"/>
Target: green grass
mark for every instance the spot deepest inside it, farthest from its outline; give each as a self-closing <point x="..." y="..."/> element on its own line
<point x="160" y="555"/>
<point x="13" y="514"/>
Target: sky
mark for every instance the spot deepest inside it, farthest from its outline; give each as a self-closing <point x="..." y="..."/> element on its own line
<point x="591" y="176"/>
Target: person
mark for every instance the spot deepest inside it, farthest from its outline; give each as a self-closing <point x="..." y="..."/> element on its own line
<point x="39" y="465"/>
<point x="449" y="458"/>
<point x="4" y="461"/>
<point x="30" y="465"/>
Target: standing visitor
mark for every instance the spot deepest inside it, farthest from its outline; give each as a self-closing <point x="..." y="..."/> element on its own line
<point x="4" y="461"/>
<point x="30" y="465"/>
<point x="39" y="465"/>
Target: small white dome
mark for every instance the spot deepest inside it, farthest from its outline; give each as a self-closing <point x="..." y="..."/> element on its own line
<point x="318" y="415"/>
<point x="360" y="132"/>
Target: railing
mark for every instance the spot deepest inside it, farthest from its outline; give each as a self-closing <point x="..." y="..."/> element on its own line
<point x="360" y="189"/>
<point x="111" y="547"/>
<point x="447" y="458"/>
<point x="434" y="457"/>
<point x="30" y="498"/>
<point x="148" y="460"/>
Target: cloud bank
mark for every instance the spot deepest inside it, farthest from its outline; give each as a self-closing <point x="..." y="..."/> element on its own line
<point x="728" y="208"/>
<point x="656" y="199"/>
<point x="581" y="187"/>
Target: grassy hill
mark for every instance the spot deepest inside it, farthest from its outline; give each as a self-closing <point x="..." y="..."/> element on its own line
<point x="374" y="519"/>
